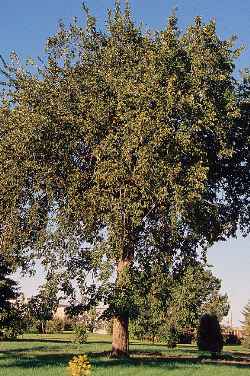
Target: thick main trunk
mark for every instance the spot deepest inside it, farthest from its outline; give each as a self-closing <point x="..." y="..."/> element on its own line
<point x="120" y="342"/>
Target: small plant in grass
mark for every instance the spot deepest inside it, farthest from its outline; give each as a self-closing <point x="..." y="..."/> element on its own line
<point x="80" y="366"/>
<point x="80" y="333"/>
<point x="170" y="336"/>
<point x="209" y="336"/>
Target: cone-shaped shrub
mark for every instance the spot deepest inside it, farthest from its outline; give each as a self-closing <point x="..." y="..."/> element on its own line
<point x="209" y="337"/>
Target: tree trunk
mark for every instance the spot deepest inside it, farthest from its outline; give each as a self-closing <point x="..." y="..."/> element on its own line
<point x="120" y="342"/>
<point x="42" y="327"/>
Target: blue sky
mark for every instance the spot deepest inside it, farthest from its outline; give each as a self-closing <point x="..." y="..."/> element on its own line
<point x="25" y="26"/>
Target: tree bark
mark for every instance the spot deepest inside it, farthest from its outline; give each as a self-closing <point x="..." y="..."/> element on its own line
<point x="120" y="342"/>
<point x="120" y="339"/>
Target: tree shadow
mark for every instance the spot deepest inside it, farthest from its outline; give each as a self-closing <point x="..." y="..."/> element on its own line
<point x="41" y="360"/>
<point x="17" y="351"/>
<point x="103" y="359"/>
<point x="237" y="354"/>
<point x="38" y="339"/>
<point x="98" y="342"/>
<point x="50" y="355"/>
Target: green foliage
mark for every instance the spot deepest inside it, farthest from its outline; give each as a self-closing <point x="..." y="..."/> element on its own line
<point x="195" y="293"/>
<point x="42" y="306"/>
<point x="80" y="333"/>
<point x="169" y="335"/>
<point x="216" y="304"/>
<point x="246" y="325"/>
<point x="12" y="320"/>
<point x="32" y="327"/>
<point x="128" y="142"/>
<point x="170" y="301"/>
<point x="103" y="132"/>
<point x="54" y="326"/>
<point x="8" y="287"/>
<point x="209" y="337"/>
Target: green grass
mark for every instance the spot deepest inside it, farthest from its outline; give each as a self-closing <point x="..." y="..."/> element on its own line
<point x="40" y="355"/>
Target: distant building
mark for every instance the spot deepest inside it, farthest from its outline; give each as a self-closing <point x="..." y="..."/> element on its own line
<point x="238" y="332"/>
<point x="101" y="326"/>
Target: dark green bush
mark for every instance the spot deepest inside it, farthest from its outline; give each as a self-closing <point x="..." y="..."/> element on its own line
<point x="231" y="339"/>
<point x="209" y="336"/>
<point x="186" y="337"/>
<point x="12" y="322"/>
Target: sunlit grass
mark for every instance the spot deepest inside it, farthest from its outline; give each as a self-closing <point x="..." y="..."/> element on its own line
<point x="41" y="355"/>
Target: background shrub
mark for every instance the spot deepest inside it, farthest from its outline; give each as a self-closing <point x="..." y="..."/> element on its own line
<point x="32" y="329"/>
<point x="55" y="326"/>
<point x="209" y="336"/>
<point x="186" y="337"/>
<point x="12" y="323"/>
<point x="231" y="339"/>
<point x="69" y="324"/>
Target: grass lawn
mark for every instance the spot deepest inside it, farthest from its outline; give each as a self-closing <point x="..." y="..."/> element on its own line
<point x="40" y="355"/>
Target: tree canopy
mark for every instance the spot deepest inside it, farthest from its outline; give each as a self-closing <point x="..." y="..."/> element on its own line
<point x="120" y="147"/>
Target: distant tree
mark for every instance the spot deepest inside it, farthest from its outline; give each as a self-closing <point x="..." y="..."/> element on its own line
<point x="209" y="336"/>
<point x="90" y="319"/>
<point x="216" y="304"/>
<point x="11" y="310"/>
<point x="152" y="299"/>
<point x="195" y="293"/>
<point x="41" y="307"/>
<point x="170" y="303"/>
<point x="246" y="325"/>
<point x="125" y="141"/>
<point x="14" y="323"/>
<point x="8" y="287"/>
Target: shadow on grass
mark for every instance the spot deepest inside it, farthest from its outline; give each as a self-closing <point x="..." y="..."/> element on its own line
<point x="180" y="347"/>
<point x="237" y="354"/>
<point x="17" y="351"/>
<point x="58" y="340"/>
<point x="166" y="350"/>
<point x="40" y="339"/>
<point x="102" y="359"/>
<point x="92" y="342"/>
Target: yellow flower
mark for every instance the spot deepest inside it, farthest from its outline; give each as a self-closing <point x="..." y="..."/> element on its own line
<point x="80" y="366"/>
